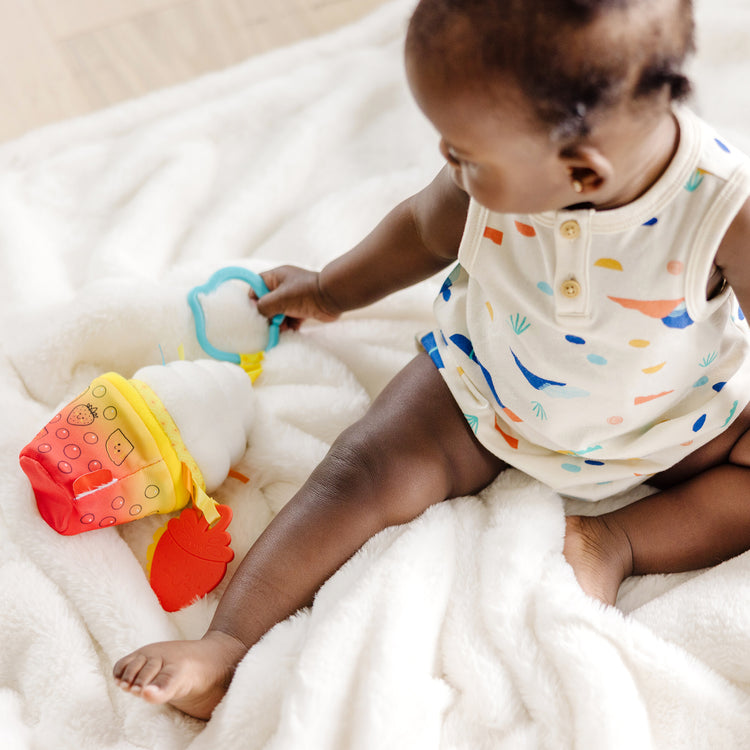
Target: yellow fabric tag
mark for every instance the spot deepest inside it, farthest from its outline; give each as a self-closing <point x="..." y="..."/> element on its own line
<point x="206" y="505"/>
<point x="252" y="364"/>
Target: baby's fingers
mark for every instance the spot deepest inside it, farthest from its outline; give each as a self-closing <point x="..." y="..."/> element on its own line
<point x="273" y="303"/>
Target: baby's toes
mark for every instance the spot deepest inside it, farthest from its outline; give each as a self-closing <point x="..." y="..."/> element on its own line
<point x="147" y="674"/>
<point x="161" y="687"/>
<point x="136" y="671"/>
<point x="127" y="668"/>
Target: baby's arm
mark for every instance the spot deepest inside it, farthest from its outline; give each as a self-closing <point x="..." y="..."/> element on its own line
<point x="733" y="257"/>
<point x="383" y="470"/>
<point x="415" y="240"/>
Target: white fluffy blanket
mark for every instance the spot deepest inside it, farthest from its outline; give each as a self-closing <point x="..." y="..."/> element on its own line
<point x="462" y="629"/>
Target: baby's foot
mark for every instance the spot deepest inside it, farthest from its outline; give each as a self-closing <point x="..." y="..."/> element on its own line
<point x="190" y="675"/>
<point x="600" y="555"/>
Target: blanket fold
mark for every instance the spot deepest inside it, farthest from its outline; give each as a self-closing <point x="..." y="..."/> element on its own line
<point x="464" y="629"/>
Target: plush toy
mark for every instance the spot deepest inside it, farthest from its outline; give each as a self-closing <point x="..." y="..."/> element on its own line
<point x="129" y="448"/>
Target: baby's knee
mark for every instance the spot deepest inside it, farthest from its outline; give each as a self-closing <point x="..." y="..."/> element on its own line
<point x="354" y="458"/>
<point x="397" y="475"/>
<point x="382" y="454"/>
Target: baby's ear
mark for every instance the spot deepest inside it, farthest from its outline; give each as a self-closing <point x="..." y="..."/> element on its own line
<point x="588" y="169"/>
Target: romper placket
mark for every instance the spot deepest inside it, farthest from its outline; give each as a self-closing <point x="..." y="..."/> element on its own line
<point x="572" y="243"/>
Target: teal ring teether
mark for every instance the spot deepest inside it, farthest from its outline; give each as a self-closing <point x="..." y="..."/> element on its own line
<point x="226" y="274"/>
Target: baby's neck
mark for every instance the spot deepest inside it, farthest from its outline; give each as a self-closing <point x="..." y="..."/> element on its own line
<point x="640" y="158"/>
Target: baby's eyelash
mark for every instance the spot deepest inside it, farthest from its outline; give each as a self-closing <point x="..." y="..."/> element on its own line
<point x="452" y="156"/>
<point x="454" y="159"/>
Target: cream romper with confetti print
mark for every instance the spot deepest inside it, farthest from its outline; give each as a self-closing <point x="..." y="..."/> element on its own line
<point x="579" y="343"/>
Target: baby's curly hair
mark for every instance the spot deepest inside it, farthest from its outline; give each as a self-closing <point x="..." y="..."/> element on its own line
<point x="572" y="58"/>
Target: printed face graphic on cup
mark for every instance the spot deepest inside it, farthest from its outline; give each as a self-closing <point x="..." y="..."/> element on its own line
<point x="118" y="447"/>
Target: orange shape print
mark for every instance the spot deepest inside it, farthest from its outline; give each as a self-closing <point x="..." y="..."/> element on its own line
<point x="525" y="229"/>
<point x="512" y="415"/>
<point x="643" y="399"/>
<point x="509" y="439"/>
<point x="675" y="267"/>
<point x="494" y="234"/>
<point x="658" y="308"/>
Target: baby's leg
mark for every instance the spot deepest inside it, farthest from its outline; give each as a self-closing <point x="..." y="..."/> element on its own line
<point x="412" y="449"/>
<point x="700" y="517"/>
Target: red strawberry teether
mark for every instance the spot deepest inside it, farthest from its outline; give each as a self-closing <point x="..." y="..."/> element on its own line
<point x="190" y="557"/>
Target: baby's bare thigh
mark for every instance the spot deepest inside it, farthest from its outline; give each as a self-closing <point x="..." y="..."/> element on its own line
<point x="731" y="447"/>
<point x="418" y="425"/>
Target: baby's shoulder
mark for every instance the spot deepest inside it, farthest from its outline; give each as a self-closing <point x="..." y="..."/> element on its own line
<point x="717" y="153"/>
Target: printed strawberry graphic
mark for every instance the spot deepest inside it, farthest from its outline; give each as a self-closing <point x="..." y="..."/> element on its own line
<point x="82" y="415"/>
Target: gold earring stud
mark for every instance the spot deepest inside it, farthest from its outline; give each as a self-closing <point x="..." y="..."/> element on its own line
<point x="577" y="185"/>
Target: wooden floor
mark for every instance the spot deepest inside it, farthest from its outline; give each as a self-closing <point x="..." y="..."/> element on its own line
<point x="61" y="58"/>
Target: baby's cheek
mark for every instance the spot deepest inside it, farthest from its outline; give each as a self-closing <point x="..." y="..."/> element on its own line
<point x="488" y="196"/>
<point x="457" y="177"/>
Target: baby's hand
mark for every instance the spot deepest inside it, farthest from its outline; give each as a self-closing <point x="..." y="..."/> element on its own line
<point x="296" y="293"/>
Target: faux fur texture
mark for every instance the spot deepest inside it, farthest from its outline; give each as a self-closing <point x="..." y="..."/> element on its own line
<point x="462" y="629"/>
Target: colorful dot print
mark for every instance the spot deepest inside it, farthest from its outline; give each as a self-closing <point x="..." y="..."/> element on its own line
<point x="96" y="464"/>
<point x="631" y="359"/>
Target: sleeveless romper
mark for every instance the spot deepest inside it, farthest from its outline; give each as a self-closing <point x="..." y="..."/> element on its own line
<point x="579" y="343"/>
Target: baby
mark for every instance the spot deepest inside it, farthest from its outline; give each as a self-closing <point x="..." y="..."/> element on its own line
<point x="590" y="335"/>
